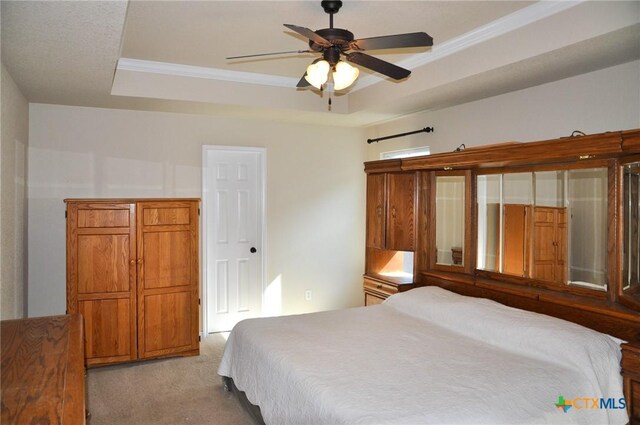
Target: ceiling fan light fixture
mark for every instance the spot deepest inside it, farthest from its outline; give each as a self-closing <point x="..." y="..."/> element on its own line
<point x="317" y="73"/>
<point x="344" y="75"/>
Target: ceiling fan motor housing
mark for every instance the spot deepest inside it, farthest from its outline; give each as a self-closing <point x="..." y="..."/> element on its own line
<point x="336" y="36"/>
<point x="331" y="6"/>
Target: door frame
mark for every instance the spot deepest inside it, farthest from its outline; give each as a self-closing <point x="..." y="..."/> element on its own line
<point x="262" y="200"/>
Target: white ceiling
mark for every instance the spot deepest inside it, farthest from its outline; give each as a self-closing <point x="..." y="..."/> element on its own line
<point x="170" y="55"/>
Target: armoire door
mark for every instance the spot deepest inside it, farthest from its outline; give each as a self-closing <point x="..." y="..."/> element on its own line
<point x="375" y="211"/>
<point x="550" y="244"/>
<point x="167" y="278"/>
<point x="401" y="207"/>
<point x="101" y="278"/>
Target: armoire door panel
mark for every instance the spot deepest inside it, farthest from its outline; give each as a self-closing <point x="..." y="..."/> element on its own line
<point x="376" y="211"/>
<point x="401" y="203"/>
<point x="107" y="324"/>
<point x="167" y="322"/>
<point x="103" y="263"/>
<point x="167" y="259"/>
<point x="91" y="218"/>
<point x="158" y="216"/>
<point x="550" y="244"/>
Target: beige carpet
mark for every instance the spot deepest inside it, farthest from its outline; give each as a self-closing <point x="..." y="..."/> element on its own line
<point x="181" y="390"/>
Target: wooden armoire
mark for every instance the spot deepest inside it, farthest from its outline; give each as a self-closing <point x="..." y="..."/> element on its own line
<point x="133" y="274"/>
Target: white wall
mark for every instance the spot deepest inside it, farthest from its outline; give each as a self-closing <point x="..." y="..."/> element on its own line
<point x="596" y="102"/>
<point x="315" y="191"/>
<point x="15" y="135"/>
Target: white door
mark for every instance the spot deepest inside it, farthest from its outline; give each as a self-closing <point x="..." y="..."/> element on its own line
<point x="233" y="186"/>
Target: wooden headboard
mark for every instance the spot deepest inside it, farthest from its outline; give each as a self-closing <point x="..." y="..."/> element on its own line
<point x="610" y="309"/>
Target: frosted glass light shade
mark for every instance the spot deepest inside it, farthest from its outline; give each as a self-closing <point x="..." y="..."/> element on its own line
<point x="344" y="75"/>
<point x="317" y="73"/>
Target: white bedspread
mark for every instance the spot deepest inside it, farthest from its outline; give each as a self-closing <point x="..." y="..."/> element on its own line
<point x="427" y="356"/>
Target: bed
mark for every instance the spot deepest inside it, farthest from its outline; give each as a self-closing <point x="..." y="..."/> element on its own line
<point x="426" y="356"/>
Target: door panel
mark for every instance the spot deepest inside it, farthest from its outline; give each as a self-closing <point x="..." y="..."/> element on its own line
<point x="376" y="211"/>
<point x="103" y="218"/>
<point x="543" y="246"/>
<point x="107" y="325"/>
<point x="167" y="322"/>
<point x="561" y="245"/>
<point x="103" y="263"/>
<point x="550" y="244"/>
<point x="401" y="212"/>
<point x="162" y="216"/>
<point x="167" y="259"/>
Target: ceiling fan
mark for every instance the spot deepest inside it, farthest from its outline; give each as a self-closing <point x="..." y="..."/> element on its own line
<point x="335" y="43"/>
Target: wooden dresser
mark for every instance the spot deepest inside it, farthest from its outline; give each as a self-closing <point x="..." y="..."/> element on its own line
<point x="43" y="375"/>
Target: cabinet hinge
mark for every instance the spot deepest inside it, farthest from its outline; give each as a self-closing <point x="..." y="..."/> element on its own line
<point x="199" y="338"/>
<point x="198" y="301"/>
<point x="198" y="211"/>
<point x="65" y="213"/>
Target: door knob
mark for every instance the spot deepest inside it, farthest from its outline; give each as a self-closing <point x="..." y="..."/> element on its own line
<point x="253" y="250"/>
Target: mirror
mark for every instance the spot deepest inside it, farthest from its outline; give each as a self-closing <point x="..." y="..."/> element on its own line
<point x="631" y="244"/>
<point x="450" y="214"/>
<point x="503" y="204"/>
<point x="546" y="225"/>
<point x="587" y="200"/>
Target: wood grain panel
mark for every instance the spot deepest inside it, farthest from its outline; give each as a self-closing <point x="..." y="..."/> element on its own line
<point x="90" y="218"/>
<point x="401" y="211"/>
<point x="103" y="263"/>
<point x="107" y="327"/>
<point x="167" y="260"/>
<point x="515" y="237"/>
<point x="158" y="216"/>
<point x="42" y="371"/>
<point x="561" y="246"/>
<point x="168" y="283"/>
<point x="376" y="211"/>
<point x="549" y="244"/>
<point x="167" y="321"/>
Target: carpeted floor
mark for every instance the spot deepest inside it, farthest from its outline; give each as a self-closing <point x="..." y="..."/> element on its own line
<point x="181" y="390"/>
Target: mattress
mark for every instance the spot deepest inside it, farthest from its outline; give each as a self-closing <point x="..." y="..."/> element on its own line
<point x="426" y="356"/>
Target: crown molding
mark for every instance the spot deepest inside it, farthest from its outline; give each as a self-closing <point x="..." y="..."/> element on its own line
<point x="178" y="70"/>
<point x="501" y="26"/>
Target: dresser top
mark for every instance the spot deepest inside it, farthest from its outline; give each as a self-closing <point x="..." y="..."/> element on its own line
<point x="129" y="200"/>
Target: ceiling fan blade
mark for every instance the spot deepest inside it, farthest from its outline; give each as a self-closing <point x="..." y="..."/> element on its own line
<point x="269" y="54"/>
<point x="414" y="39"/>
<point x="309" y="34"/>
<point x="378" y="65"/>
<point x="303" y="82"/>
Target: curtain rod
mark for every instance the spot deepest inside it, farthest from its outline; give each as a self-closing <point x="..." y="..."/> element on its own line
<point x="422" y="130"/>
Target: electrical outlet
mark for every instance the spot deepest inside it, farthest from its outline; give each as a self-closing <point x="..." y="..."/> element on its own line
<point x="308" y="294"/>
